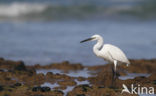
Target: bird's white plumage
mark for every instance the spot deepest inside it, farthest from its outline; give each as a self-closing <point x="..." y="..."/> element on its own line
<point x="108" y="52"/>
<point x="111" y="53"/>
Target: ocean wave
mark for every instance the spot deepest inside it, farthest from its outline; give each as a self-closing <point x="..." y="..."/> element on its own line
<point x="49" y="11"/>
<point x="16" y="9"/>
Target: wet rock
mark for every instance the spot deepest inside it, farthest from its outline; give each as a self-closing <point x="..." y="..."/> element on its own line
<point x="67" y="83"/>
<point x="12" y="65"/>
<point x="84" y="87"/>
<point x="1" y="59"/>
<point x="99" y="85"/>
<point x="36" y="79"/>
<point x="2" y="70"/>
<point x="80" y="95"/>
<point x="60" y="87"/>
<point x="152" y="76"/>
<point x="59" y="91"/>
<point x="35" y="89"/>
<point x="65" y="66"/>
<point x="45" y="89"/>
<point x="49" y="74"/>
<point x="93" y="91"/>
<point x="50" y="77"/>
<point x="6" y="95"/>
<point x="142" y="66"/>
<point x="17" y="84"/>
<point x="104" y="78"/>
<point x="154" y="82"/>
<point x="42" y="89"/>
<point x="1" y="88"/>
<point x="20" y="66"/>
<point x="38" y="95"/>
<point x="81" y="79"/>
<point x="7" y="78"/>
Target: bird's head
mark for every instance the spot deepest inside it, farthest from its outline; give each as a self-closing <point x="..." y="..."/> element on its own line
<point x="92" y="38"/>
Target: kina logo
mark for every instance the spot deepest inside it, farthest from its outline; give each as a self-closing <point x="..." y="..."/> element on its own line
<point x="137" y="89"/>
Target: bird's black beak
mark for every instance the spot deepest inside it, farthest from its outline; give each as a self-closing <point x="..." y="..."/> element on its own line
<point x="86" y="40"/>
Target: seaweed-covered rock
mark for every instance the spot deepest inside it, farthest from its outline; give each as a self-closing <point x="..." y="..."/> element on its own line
<point x="58" y="91"/>
<point x="84" y="87"/>
<point x="17" y="84"/>
<point x="20" y="66"/>
<point x="80" y="95"/>
<point x="42" y="89"/>
<point x="45" y="89"/>
<point x="37" y="88"/>
<point x="1" y="88"/>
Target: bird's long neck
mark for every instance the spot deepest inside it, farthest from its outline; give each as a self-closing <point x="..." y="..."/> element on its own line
<point x="97" y="47"/>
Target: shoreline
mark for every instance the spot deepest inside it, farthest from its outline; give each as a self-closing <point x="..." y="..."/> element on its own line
<point x="68" y="79"/>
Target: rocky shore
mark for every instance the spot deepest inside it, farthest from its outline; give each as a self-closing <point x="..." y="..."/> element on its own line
<point x="66" y="79"/>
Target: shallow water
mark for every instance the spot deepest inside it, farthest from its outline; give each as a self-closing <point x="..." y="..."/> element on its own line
<point x="79" y="73"/>
<point x="45" y="71"/>
<point x="50" y="85"/>
<point x="68" y="89"/>
<point x="82" y="82"/>
<point x="133" y="75"/>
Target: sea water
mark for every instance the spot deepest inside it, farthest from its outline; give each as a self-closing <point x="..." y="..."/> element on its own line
<point x="33" y="32"/>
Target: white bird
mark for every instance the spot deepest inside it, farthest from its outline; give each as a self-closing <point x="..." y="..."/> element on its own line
<point x="108" y="52"/>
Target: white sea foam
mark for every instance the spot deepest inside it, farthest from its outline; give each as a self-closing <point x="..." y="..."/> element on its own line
<point x="23" y="8"/>
<point x="16" y="9"/>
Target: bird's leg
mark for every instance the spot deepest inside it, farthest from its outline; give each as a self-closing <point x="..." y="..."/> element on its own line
<point x="113" y="77"/>
<point x="115" y="64"/>
<point x="113" y="72"/>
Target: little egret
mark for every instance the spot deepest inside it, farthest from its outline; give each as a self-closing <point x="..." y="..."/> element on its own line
<point x="108" y="52"/>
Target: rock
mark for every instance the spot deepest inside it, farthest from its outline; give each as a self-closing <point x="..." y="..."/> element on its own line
<point x="1" y="70"/>
<point x="59" y="91"/>
<point x="104" y="78"/>
<point x="45" y="89"/>
<point x="67" y="83"/>
<point x="154" y="82"/>
<point x="84" y="87"/>
<point x="1" y="59"/>
<point x="65" y="66"/>
<point x="49" y="74"/>
<point x="38" y="95"/>
<point x="81" y="79"/>
<point x="20" y="66"/>
<point x="35" y="89"/>
<point x="17" y="84"/>
<point x="42" y="89"/>
<point x="80" y="95"/>
<point x="1" y="88"/>
<point x="100" y="81"/>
